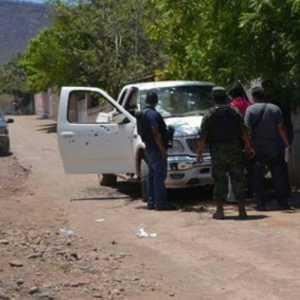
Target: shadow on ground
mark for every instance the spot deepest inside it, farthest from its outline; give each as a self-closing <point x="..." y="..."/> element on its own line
<point x="197" y="200"/>
<point x="48" y="128"/>
<point x="6" y="154"/>
<point x="249" y="218"/>
<point x="122" y="191"/>
<point x="185" y="200"/>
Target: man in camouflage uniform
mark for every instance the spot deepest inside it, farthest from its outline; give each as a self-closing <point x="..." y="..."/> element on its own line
<point x="224" y="130"/>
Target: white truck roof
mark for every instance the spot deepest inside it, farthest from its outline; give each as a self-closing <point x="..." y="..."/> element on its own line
<point x="162" y="84"/>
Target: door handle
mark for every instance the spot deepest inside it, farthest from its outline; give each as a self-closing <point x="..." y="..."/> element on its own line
<point x="67" y="134"/>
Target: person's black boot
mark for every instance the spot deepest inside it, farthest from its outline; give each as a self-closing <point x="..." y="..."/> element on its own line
<point x="219" y="214"/>
<point x="283" y="204"/>
<point x="242" y="210"/>
<point x="261" y="205"/>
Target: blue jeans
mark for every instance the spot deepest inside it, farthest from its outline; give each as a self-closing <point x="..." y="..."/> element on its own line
<point x="156" y="190"/>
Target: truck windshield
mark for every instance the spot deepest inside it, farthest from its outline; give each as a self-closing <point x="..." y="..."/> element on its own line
<point x="180" y="101"/>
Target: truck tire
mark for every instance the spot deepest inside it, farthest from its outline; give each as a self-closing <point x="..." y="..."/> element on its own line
<point x="144" y="171"/>
<point x="108" y="180"/>
<point x="6" y="149"/>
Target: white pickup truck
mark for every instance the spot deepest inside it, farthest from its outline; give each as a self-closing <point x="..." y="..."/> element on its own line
<point x="97" y="134"/>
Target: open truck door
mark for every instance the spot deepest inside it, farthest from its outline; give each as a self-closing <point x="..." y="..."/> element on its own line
<point x="92" y="137"/>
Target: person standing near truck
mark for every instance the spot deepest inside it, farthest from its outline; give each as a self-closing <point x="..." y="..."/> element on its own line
<point x="281" y="97"/>
<point x="154" y="134"/>
<point x="270" y="139"/>
<point x="224" y="130"/>
<point x="241" y="102"/>
<point x="239" y="99"/>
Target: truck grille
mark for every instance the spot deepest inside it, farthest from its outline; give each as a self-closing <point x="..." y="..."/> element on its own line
<point x="192" y="144"/>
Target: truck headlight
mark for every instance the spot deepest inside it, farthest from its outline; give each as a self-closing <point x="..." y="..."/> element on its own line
<point x="181" y="163"/>
<point x="177" y="148"/>
<point x="185" y="166"/>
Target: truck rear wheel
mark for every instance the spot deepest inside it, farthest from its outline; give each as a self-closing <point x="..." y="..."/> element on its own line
<point x="144" y="171"/>
<point x="108" y="180"/>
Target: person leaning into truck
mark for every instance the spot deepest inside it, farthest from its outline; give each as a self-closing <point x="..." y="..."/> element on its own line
<point x="224" y="130"/>
<point x="154" y="134"/>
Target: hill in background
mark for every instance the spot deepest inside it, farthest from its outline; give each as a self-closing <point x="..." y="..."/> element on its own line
<point x="20" y="22"/>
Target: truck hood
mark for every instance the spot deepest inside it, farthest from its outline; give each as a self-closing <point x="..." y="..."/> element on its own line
<point x="185" y="126"/>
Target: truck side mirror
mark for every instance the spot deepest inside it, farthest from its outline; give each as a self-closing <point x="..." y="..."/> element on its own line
<point x="123" y="120"/>
<point x="10" y="120"/>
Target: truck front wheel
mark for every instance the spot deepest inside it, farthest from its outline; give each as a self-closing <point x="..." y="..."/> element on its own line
<point x="6" y="149"/>
<point x="108" y="179"/>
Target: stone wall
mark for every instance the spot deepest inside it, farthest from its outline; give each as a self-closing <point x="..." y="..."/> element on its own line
<point x="53" y="106"/>
<point x="46" y="104"/>
<point x="41" y="104"/>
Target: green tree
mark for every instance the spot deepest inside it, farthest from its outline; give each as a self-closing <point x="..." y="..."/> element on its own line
<point x="12" y="78"/>
<point x="93" y="43"/>
<point x="221" y="40"/>
<point x="13" y="84"/>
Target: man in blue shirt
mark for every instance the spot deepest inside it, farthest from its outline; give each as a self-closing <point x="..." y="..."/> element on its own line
<point x="155" y="137"/>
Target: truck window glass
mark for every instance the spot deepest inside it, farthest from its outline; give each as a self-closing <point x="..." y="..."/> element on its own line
<point x="131" y="102"/>
<point x="122" y="96"/>
<point x="87" y="107"/>
<point x="181" y="100"/>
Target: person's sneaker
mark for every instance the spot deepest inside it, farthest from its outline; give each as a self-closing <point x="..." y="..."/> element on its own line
<point x="219" y="215"/>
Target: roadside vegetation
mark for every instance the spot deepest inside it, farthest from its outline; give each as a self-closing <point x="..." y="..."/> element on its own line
<point x="13" y="83"/>
<point x="93" y="43"/>
<point x="108" y="43"/>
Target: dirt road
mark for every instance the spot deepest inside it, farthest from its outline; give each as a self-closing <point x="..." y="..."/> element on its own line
<point x="192" y="257"/>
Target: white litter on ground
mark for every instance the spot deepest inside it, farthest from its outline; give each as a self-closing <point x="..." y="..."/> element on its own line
<point x="100" y="220"/>
<point x="141" y="233"/>
<point x="66" y="232"/>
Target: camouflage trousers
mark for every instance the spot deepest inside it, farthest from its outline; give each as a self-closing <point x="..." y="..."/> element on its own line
<point x="228" y="159"/>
